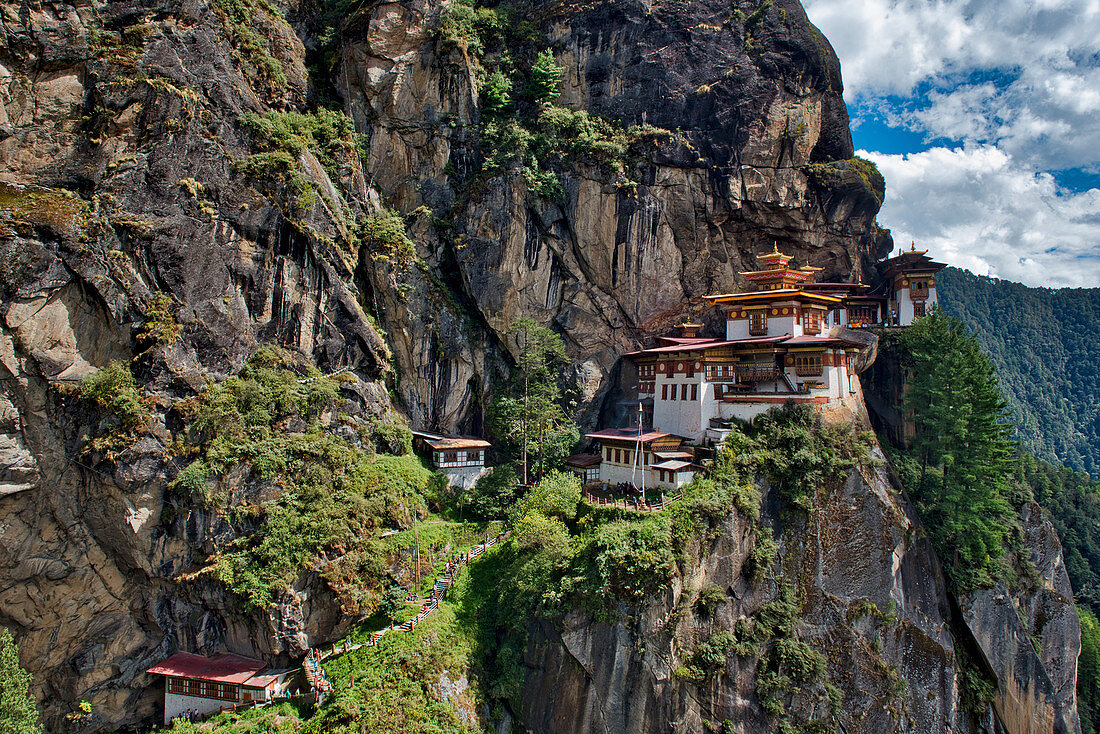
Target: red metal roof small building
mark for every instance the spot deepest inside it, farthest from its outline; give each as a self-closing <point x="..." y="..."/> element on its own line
<point x="202" y="685"/>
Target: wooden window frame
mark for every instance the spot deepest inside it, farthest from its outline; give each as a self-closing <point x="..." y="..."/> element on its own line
<point x="812" y="322"/>
<point x="758" y="323"/>
<point x="808" y="365"/>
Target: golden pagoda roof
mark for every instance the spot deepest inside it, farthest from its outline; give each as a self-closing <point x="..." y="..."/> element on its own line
<point x="775" y="255"/>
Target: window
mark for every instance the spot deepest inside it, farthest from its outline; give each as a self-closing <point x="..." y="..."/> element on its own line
<point x="758" y="323"/>
<point x="474" y="456"/>
<point x="672" y="395"/>
<point x="618" y="456"/>
<point x="859" y="315"/>
<point x="450" y="457"/>
<point x="645" y="459"/>
<point x="694" y="392"/>
<point x="684" y="391"/>
<point x="918" y="289"/>
<point x="664" y="392"/>
<point x="628" y="457"/>
<point x="813" y="321"/>
<point x="710" y="370"/>
<point x="608" y="454"/>
<point x="918" y="309"/>
<point x="807" y="365"/>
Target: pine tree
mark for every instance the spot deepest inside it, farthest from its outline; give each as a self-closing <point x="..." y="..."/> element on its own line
<point x="17" y="712"/>
<point x="546" y="77"/>
<point x="961" y="442"/>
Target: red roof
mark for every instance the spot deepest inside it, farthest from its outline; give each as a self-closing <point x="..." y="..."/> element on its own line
<point x="582" y="461"/>
<point x="223" y="669"/>
<point x="709" y="344"/>
<point x="828" y="341"/>
<point x="627" y="434"/>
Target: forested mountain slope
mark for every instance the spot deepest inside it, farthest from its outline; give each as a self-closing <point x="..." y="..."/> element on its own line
<point x="1047" y="351"/>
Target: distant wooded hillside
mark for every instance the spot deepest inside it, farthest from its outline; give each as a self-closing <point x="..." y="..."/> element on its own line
<point x="1045" y="345"/>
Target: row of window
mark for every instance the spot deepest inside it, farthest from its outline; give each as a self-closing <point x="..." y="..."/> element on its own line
<point x="472" y="457"/>
<point x="684" y="390"/>
<point x="623" y="456"/>
<point x="758" y="322"/>
<point x="807" y="365"/>
<point x="202" y="689"/>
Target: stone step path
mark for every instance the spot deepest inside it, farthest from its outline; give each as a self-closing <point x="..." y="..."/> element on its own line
<point x="311" y="665"/>
<point x="439" y="589"/>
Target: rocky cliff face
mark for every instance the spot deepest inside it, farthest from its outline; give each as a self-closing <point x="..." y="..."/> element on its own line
<point x="127" y="175"/>
<point x="870" y="596"/>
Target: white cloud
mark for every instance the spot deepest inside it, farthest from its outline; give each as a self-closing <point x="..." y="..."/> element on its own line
<point x="977" y="208"/>
<point x="1043" y="111"/>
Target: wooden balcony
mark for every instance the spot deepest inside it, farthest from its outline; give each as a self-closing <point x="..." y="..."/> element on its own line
<point x="753" y="374"/>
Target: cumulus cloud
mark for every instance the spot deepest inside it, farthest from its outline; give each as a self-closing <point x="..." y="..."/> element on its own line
<point x="1021" y="74"/>
<point x="979" y="209"/>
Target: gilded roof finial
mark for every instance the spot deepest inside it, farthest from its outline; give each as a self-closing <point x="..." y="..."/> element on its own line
<point x="775" y="247"/>
<point x="912" y="246"/>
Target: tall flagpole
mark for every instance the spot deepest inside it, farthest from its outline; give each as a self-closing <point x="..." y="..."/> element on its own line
<point x="639" y="452"/>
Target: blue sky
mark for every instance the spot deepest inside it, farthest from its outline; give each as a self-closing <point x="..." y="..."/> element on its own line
<point x="984" y="117"/>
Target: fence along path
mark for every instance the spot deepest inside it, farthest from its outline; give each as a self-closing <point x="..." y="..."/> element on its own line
<point x="635" y="505"/>
<point x="311" y="666"/>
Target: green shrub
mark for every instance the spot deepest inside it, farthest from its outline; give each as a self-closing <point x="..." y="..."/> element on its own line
<point x="471" y="28"/>
<point x="493" y="494"/>
<point x="577" y="135"/>
<point x="193" y="480"/>
<point x="328" y="134"/>
<point x="709" y="599"/>
<point x="630" y="559"/>
<point x="383" y="234"/>
<point x="161" y="325"/>
<point x="254" y="49"/>
<point x="556" y="495"/>
<point x="1088" y="671"/>
<point x="114" y="391"/>
<point x="17" y="710"/>
<point x="762" y="556"/>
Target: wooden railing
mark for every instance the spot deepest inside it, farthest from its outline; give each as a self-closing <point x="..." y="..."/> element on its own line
<point x="637" y="505"/>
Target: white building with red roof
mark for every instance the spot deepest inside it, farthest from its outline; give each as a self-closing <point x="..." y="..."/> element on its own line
<point x="643" y="458"/>
<point x="460" y="458"/>
<point x="786" y="340"/>
<point x="199" y="685"/>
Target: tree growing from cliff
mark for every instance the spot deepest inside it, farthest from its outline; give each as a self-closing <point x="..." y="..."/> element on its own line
<point x="546" y="78"/>
<point x="528" y="418"/>
<point x="17" y="712"/>
<point x="961" y="445"/>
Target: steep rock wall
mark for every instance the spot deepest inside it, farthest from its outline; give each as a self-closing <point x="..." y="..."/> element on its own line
<point x="872" y="598"/>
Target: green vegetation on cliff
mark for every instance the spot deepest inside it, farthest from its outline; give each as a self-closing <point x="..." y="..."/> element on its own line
<point x="268" y="430"/>
<point x="1088" y="672"/>
<point x="17" y="712"/>
<point x="956" y="466"/>
<point x="1047" y="352"/>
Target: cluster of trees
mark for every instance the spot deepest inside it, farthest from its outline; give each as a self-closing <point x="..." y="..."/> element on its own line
<point x="959" y="458"/>
<point x="1047" y="352"/>
<point x="967" y="477"/>
<point x="530" y="419"/>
